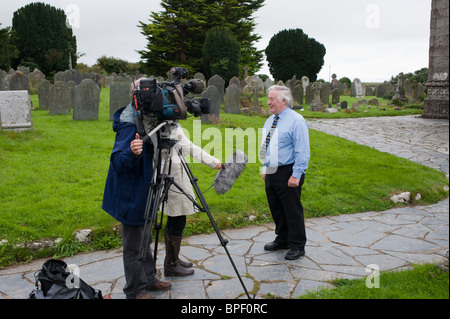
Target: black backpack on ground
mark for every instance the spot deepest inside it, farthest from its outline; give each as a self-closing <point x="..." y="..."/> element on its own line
<point x="53" y="281"/>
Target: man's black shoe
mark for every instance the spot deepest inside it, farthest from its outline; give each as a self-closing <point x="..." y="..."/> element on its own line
<point x="293" y="254"/>
<point x="273" y="246"/>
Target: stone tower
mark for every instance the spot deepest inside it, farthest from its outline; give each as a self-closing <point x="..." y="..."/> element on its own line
<point x="436" y="104"/>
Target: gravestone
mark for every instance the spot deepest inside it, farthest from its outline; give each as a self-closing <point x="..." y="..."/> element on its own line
<point x="305" y="83"/>
<point x="3" y="75"/>
<point x="335" y="96"/>
<point x="87" y="100"/>
<point x="233" y="99"/>
<point x="342" y="88"/>
<point x="357" y="90"/>
<point x="309" y="95"/>
<point x="325" y="93"/>
<point x="399" y="94"/>
<point x="267" y="85"/>
<point x="235" y="81"/>
<point x="71" y="85"/>
<point x="199" y="76"/>
<point x="59" y="99"/>
<point x="334" y="82"/>
<point x="44" y="95"/>
<point x="219" y="83"/>
<point x="15" y="111"/>
<point x="297" y="93"/>
<point x="316" y="104"/>
<point x="119" y="96"/>
<point x="19" y="82"/>
<point x="59" y="77"/>
<point x="344" y="105"/>
<point x="256" y="86"/>
<point x="212" y="93"/>
<point x="73" y="75"/>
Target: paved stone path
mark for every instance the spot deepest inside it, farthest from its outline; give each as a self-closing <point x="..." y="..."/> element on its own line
<point x="338" y="247"/>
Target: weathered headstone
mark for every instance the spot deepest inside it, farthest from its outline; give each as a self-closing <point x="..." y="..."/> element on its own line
<point x="44" y="95"/>
<point x="59" y="77"/>
<point x="399" y="94"/>
<point x="316" y="104"/>
<point x="234" y="80"/>
<point x="325" y="93"/>
<point x="233" y="99"/>
<point x="357" y="90"/>
<point x="335" y="96"/>
<point x="87" y="100"/>
<point x="297" y="93"/>
<point x="199" y="76"/>
<point x="212" y="93"/>
<point x="73" y="75"/>
<point x="305" y="83"/>
<point x="219" y="83"/>
<point x="309" y="95"/>
<point x="19" y="82"/>
<point x="59" y="99"/>
<point x="344" y="105"/>
<point x="119" y="96"/>
<point x="15" y="111"/>
<point x="267" y="84"/>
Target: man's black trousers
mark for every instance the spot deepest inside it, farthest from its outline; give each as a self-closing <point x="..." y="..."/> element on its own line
<point x="286" y="208"/>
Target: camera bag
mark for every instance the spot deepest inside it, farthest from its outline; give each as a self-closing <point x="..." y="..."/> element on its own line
<point x="53" y="281"/>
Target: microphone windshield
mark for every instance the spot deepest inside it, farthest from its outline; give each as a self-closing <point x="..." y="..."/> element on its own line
<point x="199" y="86"/>
<point x="225" y="179"/>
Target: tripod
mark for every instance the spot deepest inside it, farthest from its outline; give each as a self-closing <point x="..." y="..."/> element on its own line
<point x="162" y="181"/>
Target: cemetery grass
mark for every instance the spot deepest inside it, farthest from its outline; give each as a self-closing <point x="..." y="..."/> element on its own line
<point x="422" y="281"/>
<point x="52" y="181"/>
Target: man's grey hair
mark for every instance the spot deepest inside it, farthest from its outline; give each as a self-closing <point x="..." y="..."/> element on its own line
<point x="284" y="94"/>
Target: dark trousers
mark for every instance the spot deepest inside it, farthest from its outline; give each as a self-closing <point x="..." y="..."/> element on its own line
<point x="286" y="208"/>
<point x="131" y="239"/>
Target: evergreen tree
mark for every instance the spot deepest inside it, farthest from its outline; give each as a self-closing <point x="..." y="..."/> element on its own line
<point x="292" y="52"/>
<point x="42" y="38"/>
<point x="8" y="51"/>
<point x="175" y="36"/>
<point x="221" y="53"/>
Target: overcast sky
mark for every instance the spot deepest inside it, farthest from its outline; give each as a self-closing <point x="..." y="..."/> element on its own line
<point x="366" y="39"/>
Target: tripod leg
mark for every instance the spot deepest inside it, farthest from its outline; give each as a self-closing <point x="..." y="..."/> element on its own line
<point x="205" y="207"/>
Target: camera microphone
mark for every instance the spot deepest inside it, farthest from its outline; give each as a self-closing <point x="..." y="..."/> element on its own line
<point x="225" y="179"/>
<point x="195" y="86"/>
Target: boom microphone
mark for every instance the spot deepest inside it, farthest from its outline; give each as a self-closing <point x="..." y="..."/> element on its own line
<point x="195" y="86"/>
<point x="225" y="179"/>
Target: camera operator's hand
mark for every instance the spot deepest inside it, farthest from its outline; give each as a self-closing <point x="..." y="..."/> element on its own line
<point x="219" y="166"/>
<point x="137" y="146"/>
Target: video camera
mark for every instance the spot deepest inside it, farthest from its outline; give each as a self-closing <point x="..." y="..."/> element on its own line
<point x="164" y="101"/>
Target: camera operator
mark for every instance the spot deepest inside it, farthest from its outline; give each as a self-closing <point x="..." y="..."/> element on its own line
<point x="125" y="197"/>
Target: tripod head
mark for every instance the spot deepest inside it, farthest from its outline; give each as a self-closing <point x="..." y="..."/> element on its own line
<point x="164" y="128"/>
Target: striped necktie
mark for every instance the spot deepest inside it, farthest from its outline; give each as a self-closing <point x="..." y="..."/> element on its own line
<point x="262" y="152"/>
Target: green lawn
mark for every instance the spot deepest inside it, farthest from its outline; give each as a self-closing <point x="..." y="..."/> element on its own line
<point x="52" y="179"/>
<point x="420" y="282"/>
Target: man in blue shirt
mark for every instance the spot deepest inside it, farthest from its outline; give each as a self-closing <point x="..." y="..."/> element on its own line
<point x="285" y="154"/>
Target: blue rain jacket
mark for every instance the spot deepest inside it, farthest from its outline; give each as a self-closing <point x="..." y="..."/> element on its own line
<point x="129" y="177"/>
